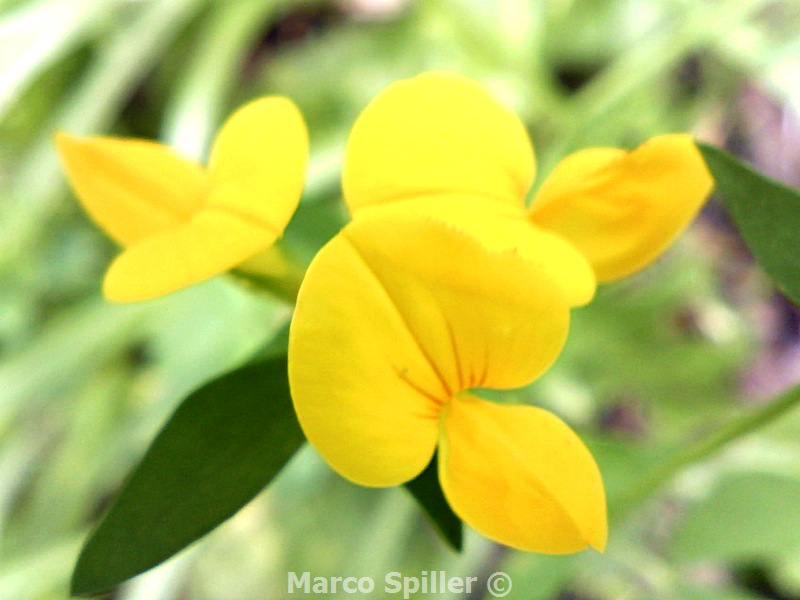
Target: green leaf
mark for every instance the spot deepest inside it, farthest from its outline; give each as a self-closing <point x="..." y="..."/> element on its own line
<point x="766" y="213"/>
<point x="718" y="591"/>
<point x="218" y="450"/>
<point x="428" y="493"/>
<point x="748" y="516"/>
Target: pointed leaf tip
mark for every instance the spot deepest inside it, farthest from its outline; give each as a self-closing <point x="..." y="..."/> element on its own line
<point x="427" y="491"/>
<point x="766" y="213"/>
<point x="219" y="449"/>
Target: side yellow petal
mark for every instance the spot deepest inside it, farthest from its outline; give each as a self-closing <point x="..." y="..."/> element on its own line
<point x="502" y="228"/>
<point x="131" y="188"/>
<point x="623" y="209"/>
<point x="365" y="396"/>
<point x="436" y="133"/>
<point x="258" y="163"/>
<point x="211" y="243"/>
<point x="520" y="476"/>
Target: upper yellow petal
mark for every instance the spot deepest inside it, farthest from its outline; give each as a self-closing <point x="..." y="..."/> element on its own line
<point x="395" y="316"/>
<point x="258" y="163"/>
<point x="623" y="209"/>
<point x="436" y="133"/>
<point x="520" y="476"/>
<point x="131" y="188"/>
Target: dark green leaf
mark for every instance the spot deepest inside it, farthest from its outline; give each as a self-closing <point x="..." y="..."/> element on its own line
<point x="766" y="213"/>
<point x="748" y="516"/>
<point x="426" y="490"/>
<point x="220" y="448"/>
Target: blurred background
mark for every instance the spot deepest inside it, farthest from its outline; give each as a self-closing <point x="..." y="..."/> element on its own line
<point x="655" y="363"/>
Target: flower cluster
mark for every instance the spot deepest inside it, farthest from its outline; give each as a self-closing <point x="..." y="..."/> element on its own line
<point x="442" y="283"/>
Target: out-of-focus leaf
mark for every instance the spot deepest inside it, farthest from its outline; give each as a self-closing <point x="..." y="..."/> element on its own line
<point x="721" y="593"/>
<point x="766" y="213"/>
<point x="41" y="573"/>
<point x="787" y="575"/>
<point x="428" y="493"/>
<point x="82" y="337"/>
<point x="539" y="576"/>
<point x="749" y="515"/>
<point x="220" y="448"/>
<point x="117" y="67"/>
<point x="35" y="34"/>
<point x="211" y="72"/>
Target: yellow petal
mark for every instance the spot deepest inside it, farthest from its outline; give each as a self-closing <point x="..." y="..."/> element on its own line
<point x="520" y="476"/>
<point x="211" y="243"/>
<point x="623" y="209"/>
<point x="258" y="163"/>
<point x="131" y="188"/>
<point x="362" y="390"/>
<point x="436" y="133"/>
<point x="502" y="228"/>
<point x="393" y="318"/>
<point x="482" y="318"/>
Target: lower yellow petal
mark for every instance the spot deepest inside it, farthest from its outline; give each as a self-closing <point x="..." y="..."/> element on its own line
<point x="623" y="209"/>
<point x="211" y="243"/>
<point x="520" y="476"/>
<point x="131" y="188"/>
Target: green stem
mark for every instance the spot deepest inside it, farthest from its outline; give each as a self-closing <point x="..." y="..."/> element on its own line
<point x="274" y="271"/>
<point x="736" y="429"/>
<point x="655" y="55"/>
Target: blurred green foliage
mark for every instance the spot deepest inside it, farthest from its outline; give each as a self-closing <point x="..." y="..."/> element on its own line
<point x="651" y="365"/>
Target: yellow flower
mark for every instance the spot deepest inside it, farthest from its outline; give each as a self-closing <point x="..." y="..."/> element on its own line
<point x="180" y="223"/>
<point x="444" y="283"/>
<point x="395" y="321"/>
